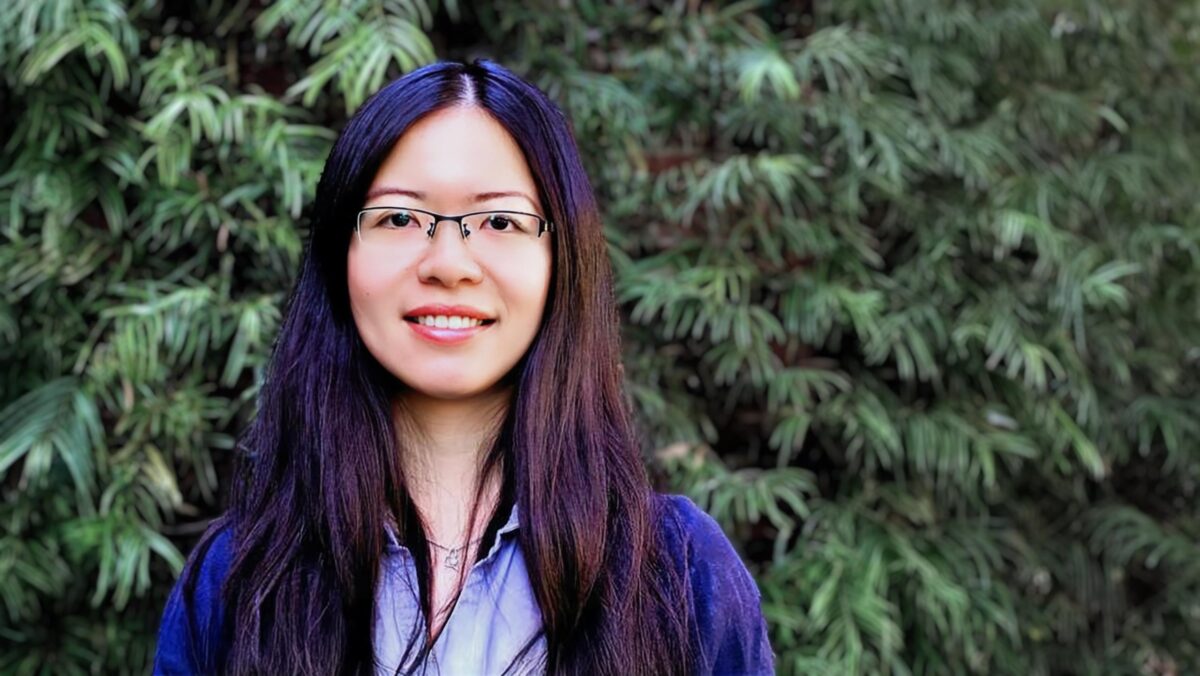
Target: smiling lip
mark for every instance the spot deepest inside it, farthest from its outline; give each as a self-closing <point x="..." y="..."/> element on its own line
<point x="446" y="335"/>
<point x="447" y="311"/>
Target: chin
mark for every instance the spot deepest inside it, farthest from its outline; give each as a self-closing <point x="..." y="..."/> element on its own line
<point x="450" y="393"/>
<point x="448" y="388"/>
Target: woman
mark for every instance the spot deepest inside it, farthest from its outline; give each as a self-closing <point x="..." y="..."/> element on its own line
<point x="442" y="474"/>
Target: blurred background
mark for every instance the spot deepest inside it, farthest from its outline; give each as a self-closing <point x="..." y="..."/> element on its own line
<point x="911" y="292"/>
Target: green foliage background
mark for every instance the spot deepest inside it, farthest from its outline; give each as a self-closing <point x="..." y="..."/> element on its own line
<point x="911" y="290"/>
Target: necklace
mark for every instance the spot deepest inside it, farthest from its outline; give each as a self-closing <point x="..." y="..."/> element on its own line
<point x="453" y="557"/>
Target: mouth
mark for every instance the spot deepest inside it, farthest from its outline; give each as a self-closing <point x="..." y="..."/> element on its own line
<point x="447" y="326"/>
<point x="450" y="322"/>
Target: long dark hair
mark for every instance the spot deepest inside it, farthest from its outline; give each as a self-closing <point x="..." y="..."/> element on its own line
<point x="321" y="475"/>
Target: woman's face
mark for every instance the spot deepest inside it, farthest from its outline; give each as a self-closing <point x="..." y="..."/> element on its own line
<point x="455" y="161"/>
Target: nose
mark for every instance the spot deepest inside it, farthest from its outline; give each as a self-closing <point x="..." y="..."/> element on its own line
<point x="447" y="259"/>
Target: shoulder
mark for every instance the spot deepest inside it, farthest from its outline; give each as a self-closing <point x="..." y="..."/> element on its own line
<point x="725" y="598"/>
<point x="702" y="550"/>
<point x="687" y="526"/>
<point x="192" y="637"/>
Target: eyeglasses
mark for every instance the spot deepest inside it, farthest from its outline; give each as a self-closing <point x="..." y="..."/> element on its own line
<point x="404" y="227"/>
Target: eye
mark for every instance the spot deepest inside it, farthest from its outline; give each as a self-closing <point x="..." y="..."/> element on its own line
<point x="399" y="219"/>
<point x="501" y="222"/>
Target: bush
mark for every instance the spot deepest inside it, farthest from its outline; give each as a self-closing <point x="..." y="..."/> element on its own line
<point x="910" y="288"/>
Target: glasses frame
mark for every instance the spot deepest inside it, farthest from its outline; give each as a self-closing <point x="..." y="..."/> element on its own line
<point x="544" y="225"/>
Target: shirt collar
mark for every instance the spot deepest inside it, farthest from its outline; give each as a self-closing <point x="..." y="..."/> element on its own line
<point x="511" y="524"/>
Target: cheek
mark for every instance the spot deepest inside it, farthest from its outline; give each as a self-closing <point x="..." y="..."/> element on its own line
<point x="367" y="283"/>
<point x="529" y="282"/>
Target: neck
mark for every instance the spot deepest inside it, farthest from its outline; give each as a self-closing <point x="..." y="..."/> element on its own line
<point x="444" y="444"/>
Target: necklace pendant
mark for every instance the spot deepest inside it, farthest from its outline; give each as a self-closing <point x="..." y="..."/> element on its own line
<point x="453" y="559"/>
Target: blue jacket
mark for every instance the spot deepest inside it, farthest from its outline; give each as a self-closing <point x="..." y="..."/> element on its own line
<point x="726" y="602"/>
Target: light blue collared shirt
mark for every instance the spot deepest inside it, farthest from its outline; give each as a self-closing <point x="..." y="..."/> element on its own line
<point x="496" y="614"/>
<point x="495" y="617"/>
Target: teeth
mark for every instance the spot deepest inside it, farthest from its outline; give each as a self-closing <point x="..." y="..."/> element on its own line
<point x="444" y="322"/>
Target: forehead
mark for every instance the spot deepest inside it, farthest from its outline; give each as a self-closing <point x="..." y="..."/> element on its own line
<point x="451" y="156"/>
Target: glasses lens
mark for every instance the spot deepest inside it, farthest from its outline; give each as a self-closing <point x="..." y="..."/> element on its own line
<point x="499" y="224"/>
<point x="384" y="224"/>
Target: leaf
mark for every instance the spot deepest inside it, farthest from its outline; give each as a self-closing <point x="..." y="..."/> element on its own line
<point x="54" y="425"/>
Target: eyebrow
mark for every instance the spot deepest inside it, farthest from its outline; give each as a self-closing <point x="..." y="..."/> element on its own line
<point x="417" y="195"/>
